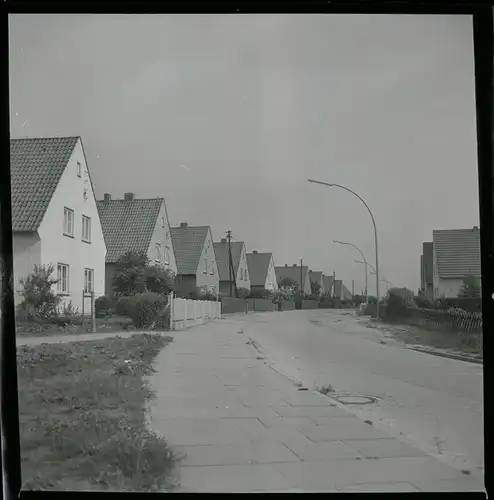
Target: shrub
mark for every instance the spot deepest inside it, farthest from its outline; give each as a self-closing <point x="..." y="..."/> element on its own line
<point x="259" y="293"/>
<point x="40" y="301"/>
<point x="158" y="280"/>
<point x="242" y="293"/>
<point x="103" y="306"/>
<point x="125" y="306"/>
<point x="143" y="308"/>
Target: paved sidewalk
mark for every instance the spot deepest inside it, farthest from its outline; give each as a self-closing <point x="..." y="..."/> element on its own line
<point x="240" y="426"/>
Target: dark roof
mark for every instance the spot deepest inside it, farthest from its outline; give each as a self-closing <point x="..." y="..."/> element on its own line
<point x="328" y="283"/>
<point x="36" y="166"/>
<point x="292" y="272"/>
<point x="128" y="225"/>
<point x="428" y="253"/>
<point x="223" y="259"/>
<point x="188" y="243"/>
<point x="338" y="284"/>
<point x="316" y="277"/>
<point x="457" y="252"/>
<point x="258" y="267"/>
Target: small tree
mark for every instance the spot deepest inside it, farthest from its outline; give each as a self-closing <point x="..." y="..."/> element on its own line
<point x="39" y="298"/>
<point x="470" y="288"/>
<point x="287" y="282"/>
<point x="315" y="288"/>
<point x="158" y="280"/>
<point x="130" y="274"/>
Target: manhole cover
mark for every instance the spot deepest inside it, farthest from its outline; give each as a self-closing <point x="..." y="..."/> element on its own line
<point x="355" y="400"/>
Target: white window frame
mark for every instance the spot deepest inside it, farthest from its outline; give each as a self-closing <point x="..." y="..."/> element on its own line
<point x="79" y="169"/>
<point x="63" y="283"/>
<point x="68" y="222"/>
<point x="167" y="255"/>
<point x="157" y="257"/>
<point x="86" y="227"/>
<point x="88" y="273"/>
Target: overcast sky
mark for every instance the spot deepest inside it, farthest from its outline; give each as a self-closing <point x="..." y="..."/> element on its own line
<point x="227" y="116"/>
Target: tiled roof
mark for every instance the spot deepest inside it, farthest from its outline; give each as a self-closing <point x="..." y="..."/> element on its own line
<point x="338" y="284"/>
<point x="428" y="253"/>
<point x="258" y="264"/>
<point x="292" y="272"/>
<point x="223" y="260"/>
<point x="128" y="225"/>
<point x="188" y="243"/>
<point x="457" y="252"/>
<point x="328" y="283"/>
<point x="316" y="277"/>
<point x="36" y="166"/>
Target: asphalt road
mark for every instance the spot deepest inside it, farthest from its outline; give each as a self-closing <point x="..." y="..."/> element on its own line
<point x="431" y="402"/>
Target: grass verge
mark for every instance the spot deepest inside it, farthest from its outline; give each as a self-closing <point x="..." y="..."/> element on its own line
<point x="82" y="416"/>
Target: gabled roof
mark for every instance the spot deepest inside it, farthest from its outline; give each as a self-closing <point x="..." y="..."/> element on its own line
<point x="292" y="272"/>
<point x="338" y="288"/>
<point x="316" y="277"/>
<point x="223" y="258"/>
<point x="328" y="283"/>
<point x="258" y="264"/>
<point x="128" y="225"/>
<point x="457" y="252"/>
<point x="188" y="243"/>
<point x="346" y="292"/>
<point x="36" y="166"/>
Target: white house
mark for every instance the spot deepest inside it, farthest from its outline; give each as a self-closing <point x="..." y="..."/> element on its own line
<point x="456" y="254"/>
<point x="137" y="225"/>
<point x="54" y="217"/>
<point x="239" y="272"/>
<point x="261" y="271"/>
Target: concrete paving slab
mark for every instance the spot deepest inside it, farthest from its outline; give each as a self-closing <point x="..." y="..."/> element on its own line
<point x="309" y="451"/>
<point x="346" y="472"/>
<point x="231" y="479"/>
<point x="384" y="448"/>
<point x="378" y="488"/>
<point x="307" y="398"/>
<point x="288" y="421"/>
<point x="462" y="484"/>
<point x="312" y="411"/>
<point x="341" y="429"/>
<point x="259" y="452"/>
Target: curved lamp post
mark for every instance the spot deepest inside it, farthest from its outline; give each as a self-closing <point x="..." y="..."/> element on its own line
<point x="375" y="232"/>
<point x="363" y="257"/>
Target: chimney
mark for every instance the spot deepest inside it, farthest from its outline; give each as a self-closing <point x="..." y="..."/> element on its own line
<point x="475" y="228"/>
<point x="223" y="240"/>
<point x="254" y="251"/>
<point x="107" y="197"/>
<point x="129" y="196"/>
<point x="286" y="265"/>
<point x="184" y="225"/>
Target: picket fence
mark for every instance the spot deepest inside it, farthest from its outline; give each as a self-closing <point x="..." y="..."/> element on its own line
<point x="185" y="313"/>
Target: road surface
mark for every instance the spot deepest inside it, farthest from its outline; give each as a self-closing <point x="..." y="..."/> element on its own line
<point x="430" y="402"/>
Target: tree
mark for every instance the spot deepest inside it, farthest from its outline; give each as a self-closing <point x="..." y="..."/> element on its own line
<point x="39" y="298"/>
<point x="315" y="288"/>
<point x="134" y="274"/>
<point x="287" y="282"/>
<point x="470" y="288"/>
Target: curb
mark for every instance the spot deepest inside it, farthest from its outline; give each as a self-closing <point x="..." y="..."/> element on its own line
<point x="459" y="357"/>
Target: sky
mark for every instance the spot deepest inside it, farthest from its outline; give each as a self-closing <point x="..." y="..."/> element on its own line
<point x="227" y="116"/>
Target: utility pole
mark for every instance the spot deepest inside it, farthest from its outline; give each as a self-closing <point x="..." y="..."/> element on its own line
<point x="230" y="263"/>
<point x="334" y="284"/>
<point x="353" y="288"/>
<point x="301" y="279"/>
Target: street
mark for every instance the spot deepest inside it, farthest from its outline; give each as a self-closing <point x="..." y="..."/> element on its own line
<point x="431" y="402"/>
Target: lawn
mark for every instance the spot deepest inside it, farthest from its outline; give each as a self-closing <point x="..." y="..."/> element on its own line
<point x="82" y="416"/>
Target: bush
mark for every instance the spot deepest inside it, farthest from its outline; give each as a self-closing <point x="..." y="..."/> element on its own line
<point x="259" y="293"/>
<point x="143" y="308"/>
<point x="103" y="306"/>
<point x="242" y="293"/>
<point x="40" y="301"/>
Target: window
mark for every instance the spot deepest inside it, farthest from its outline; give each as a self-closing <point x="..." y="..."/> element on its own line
<point x="68" y="222"/>
<point x="158" y="252"/>
<point x="246" y="275"/>
<point x="63" y="278"/>
<point x="167" y="255"/>
<point x="79" y="169"/>
<point x="205" y="270"/>
<point x="211" y="267"/>
<point x="86" y="229"/>
<point x="88" y="280"/>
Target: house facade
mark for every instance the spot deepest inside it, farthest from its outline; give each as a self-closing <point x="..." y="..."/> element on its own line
<point x="297" y="274"/>
<point x="240" y="268"/>
<point x="456" y="255"/>
<point x="317" y="278"/>
<point x="262" y="271"/>
<point x="137" y="225"/>
<point x="55" y="219"/>
<point x="197" y="269"/>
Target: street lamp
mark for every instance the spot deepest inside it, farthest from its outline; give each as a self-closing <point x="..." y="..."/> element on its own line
<point x="375" y="232"/>
<point x="363" y="257"/>
<point x="367" y="264"/>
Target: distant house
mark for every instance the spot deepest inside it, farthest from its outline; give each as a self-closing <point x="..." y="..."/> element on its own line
<point x="239" y="273"/>
<point x="328" y="285"/>
<point x="426" y="270"/>
<point x="317" y="278"/>
<point x="338" y="289"/>
<point x="137" y="225"/>
<point x="54" y="217"/>
<point x="346" y="294"/>
<point x="295" y="273"/>
<point x="197" y="269"/>
<point x="456" y="254"/>
<point x="261" y="271"/>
